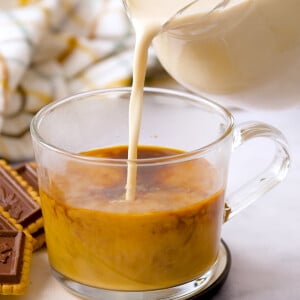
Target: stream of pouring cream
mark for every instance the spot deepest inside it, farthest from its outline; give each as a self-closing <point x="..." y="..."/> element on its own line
<point x="148" y="18"/>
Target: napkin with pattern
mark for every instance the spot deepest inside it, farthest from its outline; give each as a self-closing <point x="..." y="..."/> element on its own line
<point x="50" y="49"/>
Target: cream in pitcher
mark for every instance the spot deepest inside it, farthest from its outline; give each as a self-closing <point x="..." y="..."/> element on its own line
<point x="241" y="52"/>
<point x="245" y="54"/>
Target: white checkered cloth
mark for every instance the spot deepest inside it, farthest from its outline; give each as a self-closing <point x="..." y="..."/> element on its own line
<point x="50" y="49"/>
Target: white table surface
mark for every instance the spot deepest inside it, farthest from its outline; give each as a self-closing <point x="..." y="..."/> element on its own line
<point x="264" y="239"/>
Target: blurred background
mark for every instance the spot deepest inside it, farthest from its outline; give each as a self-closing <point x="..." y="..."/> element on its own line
<point x="50" y="49"/>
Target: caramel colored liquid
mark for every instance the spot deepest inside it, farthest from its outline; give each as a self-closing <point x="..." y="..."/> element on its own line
<point x="169" y="235"/>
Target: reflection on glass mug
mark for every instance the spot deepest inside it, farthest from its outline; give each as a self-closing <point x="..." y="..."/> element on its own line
<point x="165" y="243"/>
<point x="245" y="53"/>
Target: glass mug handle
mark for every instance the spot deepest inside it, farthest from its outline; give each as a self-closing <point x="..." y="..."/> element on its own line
<point x="266" y="180"/>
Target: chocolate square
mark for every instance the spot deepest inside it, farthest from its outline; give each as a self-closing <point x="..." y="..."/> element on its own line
<point x="15" y="199"/>
<point x="11" y="256"/>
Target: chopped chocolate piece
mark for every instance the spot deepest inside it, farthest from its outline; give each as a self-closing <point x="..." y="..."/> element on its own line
<point x="28" y="172"/>
<point x="16" y="200"/>
<point x="11" y="256"/>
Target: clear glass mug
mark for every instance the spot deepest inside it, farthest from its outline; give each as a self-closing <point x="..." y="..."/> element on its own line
<point x="241" y="53"/>
<point x="167" y="242"/>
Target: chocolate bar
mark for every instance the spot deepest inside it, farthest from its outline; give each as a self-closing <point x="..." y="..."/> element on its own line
<point x="19" y="197"/>
<point x="16" y="247"/>
<point x="16" y="200"/>
<point x="21" y="225"/>
<point x="11" y="250"/>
